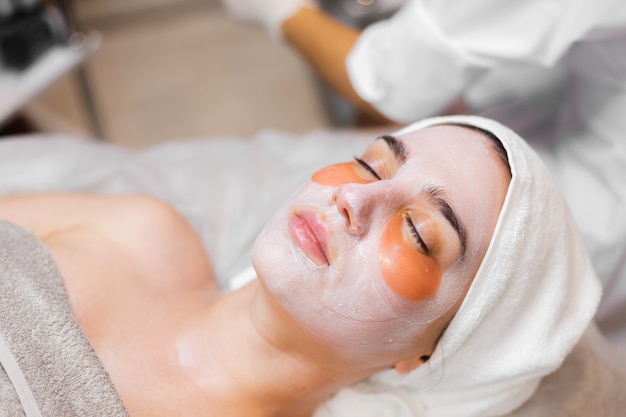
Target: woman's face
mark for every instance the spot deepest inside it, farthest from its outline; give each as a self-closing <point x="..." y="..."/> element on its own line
<point x="374" y="256"/>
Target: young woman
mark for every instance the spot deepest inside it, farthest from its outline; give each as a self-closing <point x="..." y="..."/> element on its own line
<point x="417" y="258"/>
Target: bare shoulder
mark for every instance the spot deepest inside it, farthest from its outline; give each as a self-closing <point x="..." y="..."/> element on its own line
<point x="47" y="214"/>
<point x="142" y="219"/>
<point x="157" y="238"/>
<point x="137" y="230"/>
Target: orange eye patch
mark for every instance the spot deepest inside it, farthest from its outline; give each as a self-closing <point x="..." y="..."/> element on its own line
<point x="339" y="174"/>
<point x="410" y="274"/>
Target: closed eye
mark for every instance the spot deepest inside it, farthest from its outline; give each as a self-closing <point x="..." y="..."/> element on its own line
<point x="416" y="234"/>
<point x="367" y="167"/>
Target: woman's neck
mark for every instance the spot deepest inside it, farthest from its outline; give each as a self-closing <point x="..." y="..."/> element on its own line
<point x="244" y="351"/>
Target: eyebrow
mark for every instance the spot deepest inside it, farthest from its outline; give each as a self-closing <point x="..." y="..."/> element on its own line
<point x="436" y="196"/>
<point x="397" y="147"/>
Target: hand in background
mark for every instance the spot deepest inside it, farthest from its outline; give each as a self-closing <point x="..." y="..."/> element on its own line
<point x="268" y="14"/>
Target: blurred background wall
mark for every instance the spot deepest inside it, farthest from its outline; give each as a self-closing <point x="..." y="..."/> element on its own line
<point x="169" y="69"/>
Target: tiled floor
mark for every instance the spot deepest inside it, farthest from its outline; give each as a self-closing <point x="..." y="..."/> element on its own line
<point x="171" y="69"/>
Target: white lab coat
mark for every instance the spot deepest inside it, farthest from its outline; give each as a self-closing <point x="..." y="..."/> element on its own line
<point x="415" y="63"/>
<point x="555" y="70"/>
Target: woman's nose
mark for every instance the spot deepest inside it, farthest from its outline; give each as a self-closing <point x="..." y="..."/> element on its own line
<point x="357" y="203"/>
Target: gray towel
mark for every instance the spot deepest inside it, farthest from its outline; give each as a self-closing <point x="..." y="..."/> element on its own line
<point x="48" y="366"/>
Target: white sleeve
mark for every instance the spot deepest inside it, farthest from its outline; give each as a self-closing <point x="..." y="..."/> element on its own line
<point x="415" y="63"/>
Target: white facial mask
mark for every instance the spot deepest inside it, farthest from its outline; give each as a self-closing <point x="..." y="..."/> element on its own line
<point x="346" y="304"/>
<point x="324" y="268"/>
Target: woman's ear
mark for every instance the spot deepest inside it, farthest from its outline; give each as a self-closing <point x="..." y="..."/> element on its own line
<point x="407" y="365"/>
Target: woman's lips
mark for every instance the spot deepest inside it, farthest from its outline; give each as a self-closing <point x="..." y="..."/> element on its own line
<point x="310" y="236"/>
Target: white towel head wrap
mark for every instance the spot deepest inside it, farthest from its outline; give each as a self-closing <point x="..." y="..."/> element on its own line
<point x="533" y="296"/>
